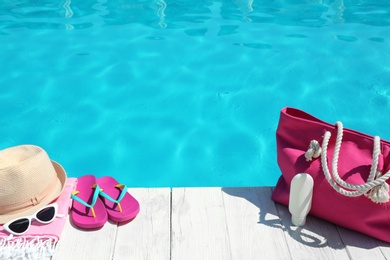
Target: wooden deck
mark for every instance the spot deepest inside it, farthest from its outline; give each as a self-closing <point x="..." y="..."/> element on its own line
<point x="216" y="223"/>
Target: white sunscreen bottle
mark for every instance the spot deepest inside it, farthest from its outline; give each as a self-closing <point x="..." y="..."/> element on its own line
<point x="301" y="193"/>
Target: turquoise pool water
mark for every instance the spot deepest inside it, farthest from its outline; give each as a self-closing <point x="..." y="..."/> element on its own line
<point x="186" y="93"/>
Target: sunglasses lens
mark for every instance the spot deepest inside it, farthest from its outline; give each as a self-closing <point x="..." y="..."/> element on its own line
<point x="19" y="226"/>
<point x="46" y="214"/>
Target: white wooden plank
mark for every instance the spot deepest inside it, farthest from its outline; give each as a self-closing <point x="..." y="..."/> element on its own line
<point x="385" y="249"/>
<point x="82" y="244"/>
<point x="148" y="235"/>
<point x="361" y="246"/>
<point x="255" y="230"/>
<point x="199" y="225"/>
<point x="215" y="223"/>
<point x="317" y="238"/>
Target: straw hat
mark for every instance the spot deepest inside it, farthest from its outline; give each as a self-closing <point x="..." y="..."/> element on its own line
<point x="29" y="180"/>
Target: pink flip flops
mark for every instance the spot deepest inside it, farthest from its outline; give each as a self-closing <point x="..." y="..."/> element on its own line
<point x="120" y="205"/>
<point x="88" y="211"/>
<point x="96" y="200"/>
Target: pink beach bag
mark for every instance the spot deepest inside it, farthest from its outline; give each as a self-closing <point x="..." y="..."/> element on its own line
<point x="350" y="171"/>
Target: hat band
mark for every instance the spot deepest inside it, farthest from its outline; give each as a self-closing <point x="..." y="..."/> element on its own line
<point x="15" y="208"/>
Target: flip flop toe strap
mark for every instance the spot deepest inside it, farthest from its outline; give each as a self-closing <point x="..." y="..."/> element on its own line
<point x="120" y="197"/>
<point x="94" y="198"/>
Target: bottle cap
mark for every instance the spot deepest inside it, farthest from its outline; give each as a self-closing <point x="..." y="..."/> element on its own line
<point x="297" y="221"/>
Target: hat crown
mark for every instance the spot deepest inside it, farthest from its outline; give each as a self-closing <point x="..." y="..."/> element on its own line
<point x="26" y="177"/>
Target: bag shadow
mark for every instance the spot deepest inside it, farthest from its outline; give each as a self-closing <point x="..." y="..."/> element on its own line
<point x="316" y="233"/>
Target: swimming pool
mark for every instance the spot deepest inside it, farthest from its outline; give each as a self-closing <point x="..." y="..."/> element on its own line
<point x="186" y="93"/>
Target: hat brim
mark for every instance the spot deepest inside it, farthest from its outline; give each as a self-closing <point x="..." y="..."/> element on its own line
<point x="60" y="184"/>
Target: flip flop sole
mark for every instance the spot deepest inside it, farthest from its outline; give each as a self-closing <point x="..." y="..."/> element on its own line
<point x="130" y="206"/>
<point x="81" y="215"/>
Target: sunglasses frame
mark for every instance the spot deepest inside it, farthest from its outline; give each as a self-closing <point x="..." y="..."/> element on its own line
<point x="31" y="218"/>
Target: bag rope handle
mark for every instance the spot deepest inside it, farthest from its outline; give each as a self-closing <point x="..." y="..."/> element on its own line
<point x="375" y="189"/>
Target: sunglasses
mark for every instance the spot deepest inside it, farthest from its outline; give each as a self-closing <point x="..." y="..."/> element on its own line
<point x="21" y="225"/>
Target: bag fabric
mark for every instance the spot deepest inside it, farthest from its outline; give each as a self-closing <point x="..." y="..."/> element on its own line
<point x="350" y="171"/>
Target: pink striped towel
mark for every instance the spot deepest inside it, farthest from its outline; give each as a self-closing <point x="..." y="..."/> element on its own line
<point x="40" y="241"/>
